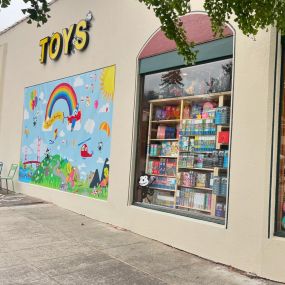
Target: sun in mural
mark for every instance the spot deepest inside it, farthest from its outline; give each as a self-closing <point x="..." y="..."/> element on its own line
<point x="108" y="82"/>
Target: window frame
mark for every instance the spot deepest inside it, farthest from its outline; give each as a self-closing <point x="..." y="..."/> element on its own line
<point x="141" y="76"/>
<point x="281" y="95"/>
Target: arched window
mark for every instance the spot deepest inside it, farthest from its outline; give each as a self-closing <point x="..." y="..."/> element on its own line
<point x="184" y="124"/>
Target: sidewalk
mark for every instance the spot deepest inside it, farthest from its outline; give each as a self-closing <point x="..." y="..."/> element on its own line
<point x="45" y="244"/>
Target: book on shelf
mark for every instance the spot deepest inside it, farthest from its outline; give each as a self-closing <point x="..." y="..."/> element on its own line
<point x="190" y="199"/>
<point x="163" y="199"/>
<point x="167" y="113"/>
<point x="197" y="153"/>
<point x="195" y="179"/>
<point x="166" y="132"/>
<point x="162" y="166"/>
<point x="168" y="183"/>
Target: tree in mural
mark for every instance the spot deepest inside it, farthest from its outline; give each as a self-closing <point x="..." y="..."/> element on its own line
<point x="250" y="16"/>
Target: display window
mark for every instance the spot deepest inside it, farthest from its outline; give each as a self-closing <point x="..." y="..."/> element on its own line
<point x="183" y="144"/>
<point x="280" y="207"/>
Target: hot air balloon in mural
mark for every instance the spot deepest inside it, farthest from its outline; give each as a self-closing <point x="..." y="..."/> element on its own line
<point x="33" y="100"/>
<point x="105" y="127"/>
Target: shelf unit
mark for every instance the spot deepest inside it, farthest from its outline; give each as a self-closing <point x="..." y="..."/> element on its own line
<point x="221" y="99"/>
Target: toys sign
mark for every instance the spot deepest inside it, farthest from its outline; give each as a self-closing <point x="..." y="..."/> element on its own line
<point x="74" y="37"/>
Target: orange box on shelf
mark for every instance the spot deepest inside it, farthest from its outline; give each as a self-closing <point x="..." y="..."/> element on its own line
<point x="224" y="137"/>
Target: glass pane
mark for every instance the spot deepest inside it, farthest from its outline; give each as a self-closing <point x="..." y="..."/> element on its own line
<point x="280" y="221"/>
<point x="183" y="140"/>
<point x="200" y="79"/>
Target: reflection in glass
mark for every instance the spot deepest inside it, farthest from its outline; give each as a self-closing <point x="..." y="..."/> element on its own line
<point x="195" y="80"/>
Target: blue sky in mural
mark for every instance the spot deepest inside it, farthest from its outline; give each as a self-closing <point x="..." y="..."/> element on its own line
<point x="93" y="129"/>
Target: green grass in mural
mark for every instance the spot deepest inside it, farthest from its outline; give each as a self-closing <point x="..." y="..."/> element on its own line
<point x="55" y="172"/>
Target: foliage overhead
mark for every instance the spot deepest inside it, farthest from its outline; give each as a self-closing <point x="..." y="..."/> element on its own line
<point x="250" y="16"/>
<point x="37" y="10"/>
<point x="169" y="13"/>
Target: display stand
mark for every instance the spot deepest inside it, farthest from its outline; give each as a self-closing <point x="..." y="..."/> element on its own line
<point x="205" y="198"/>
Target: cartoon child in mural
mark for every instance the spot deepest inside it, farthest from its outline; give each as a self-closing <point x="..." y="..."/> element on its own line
<point x="105" y="181"/>
<point x="72" y="175"/>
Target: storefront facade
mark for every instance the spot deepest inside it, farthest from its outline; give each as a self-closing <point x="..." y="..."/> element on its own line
<point x="217" y="159"/>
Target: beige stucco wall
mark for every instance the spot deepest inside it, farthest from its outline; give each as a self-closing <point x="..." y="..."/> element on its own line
<point x="120" y="30"/>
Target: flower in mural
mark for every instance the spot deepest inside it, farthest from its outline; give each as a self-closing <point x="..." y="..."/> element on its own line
<point x="108" y="82"/>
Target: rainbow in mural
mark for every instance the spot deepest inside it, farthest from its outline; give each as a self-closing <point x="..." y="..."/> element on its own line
<point x="65" y="92"/>
<point x="67" y="129"/>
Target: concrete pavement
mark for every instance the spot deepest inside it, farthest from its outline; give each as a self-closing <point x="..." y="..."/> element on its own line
<point x="44" y="244"/>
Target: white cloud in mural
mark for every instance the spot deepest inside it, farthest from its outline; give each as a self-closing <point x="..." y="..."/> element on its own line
<point x="105" y="108"/>
<point x="58" y="147"/>
<point x="78" y="82"/>
<point x="62" y="134"/>
<point x="26" y="114"/>
<point x="38" y="146"/>
<point x="45" y="102"/>
<point x="100" y="160"/>
<point x="77" y="126"/>
<point x="41" y="97"/>
<point x="89" y="126"/>
<point x="26" y="150"/>
<point x="82" y="165"/>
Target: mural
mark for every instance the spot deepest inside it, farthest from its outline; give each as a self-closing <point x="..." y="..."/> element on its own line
<point x="67" y="130"/>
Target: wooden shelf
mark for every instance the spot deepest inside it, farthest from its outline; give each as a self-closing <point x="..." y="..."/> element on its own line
<point x="164" y="139"/>
<point x="162" y="189"/>
<point x="193" y="208"/>
<point x="194" y="152"/>
<point x="198" y="135"/>
<point x="191" y="97"/>
<point x="205" y="169"/>
<point x="195" y="187"/>
<point x="203" y="188"/>
<point x="166" y="121"/>
<point x="162" y="175"/>
<point x="198" y="168"/>
<point x="222" y="99"/>
<point x="163" y="156"/>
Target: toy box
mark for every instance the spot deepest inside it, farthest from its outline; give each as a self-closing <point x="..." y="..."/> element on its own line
<point x="224" y="137"/>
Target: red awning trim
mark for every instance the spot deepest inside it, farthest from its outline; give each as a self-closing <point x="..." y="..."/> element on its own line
<point x="198" y="30"/>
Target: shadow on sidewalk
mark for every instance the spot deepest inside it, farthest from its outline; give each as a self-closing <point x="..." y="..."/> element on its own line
<point x="12" y="199"/>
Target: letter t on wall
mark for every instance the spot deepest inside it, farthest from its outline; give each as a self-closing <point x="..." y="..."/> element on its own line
<point x="44" y="45"/>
